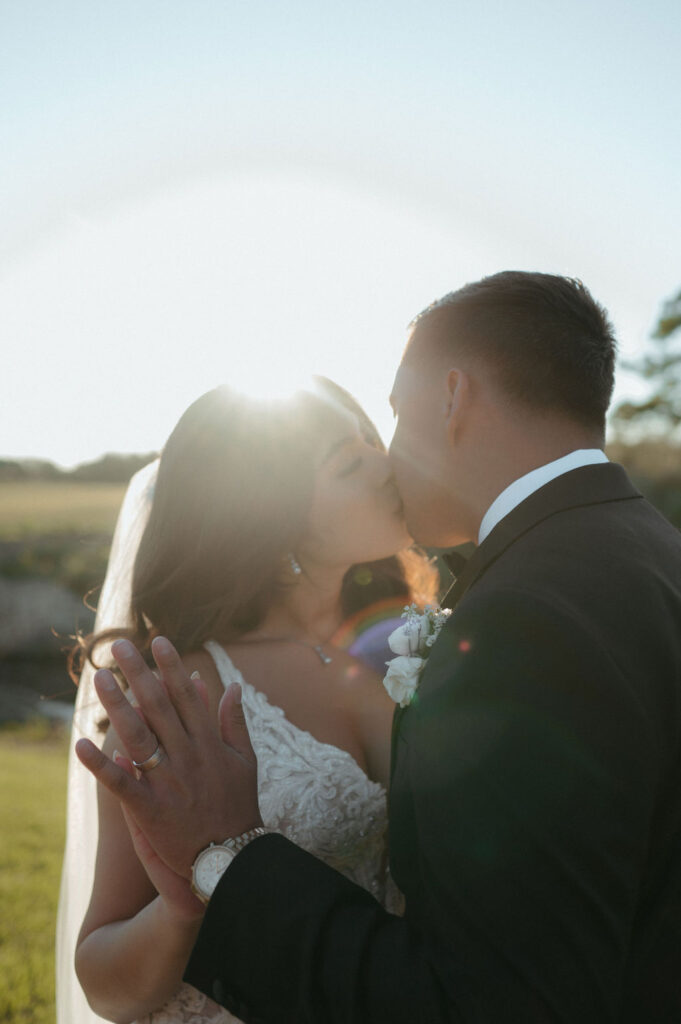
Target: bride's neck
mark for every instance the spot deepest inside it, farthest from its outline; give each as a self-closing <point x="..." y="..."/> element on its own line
<point x="309" y="610"/>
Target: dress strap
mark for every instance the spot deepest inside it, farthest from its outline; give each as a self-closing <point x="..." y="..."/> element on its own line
<point x="227" y="670"/>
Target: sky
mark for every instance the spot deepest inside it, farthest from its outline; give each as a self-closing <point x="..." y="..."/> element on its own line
<point x="201" y="192"/>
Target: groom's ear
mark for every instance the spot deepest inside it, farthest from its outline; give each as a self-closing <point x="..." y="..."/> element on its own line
<point x="456" y="401"/>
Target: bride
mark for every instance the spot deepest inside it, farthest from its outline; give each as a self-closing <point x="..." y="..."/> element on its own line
<point x="270" y="529"/>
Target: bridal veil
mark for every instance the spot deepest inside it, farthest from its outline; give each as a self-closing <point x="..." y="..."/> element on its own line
<point x="81" y="809"/>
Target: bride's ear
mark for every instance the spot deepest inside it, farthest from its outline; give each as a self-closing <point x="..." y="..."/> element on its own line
<point x="456" y="401"/>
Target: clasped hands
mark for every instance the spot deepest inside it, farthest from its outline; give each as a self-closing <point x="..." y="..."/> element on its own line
<point x="204" y="788"/>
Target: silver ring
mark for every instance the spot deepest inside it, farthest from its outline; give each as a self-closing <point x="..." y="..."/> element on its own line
<point x="151" y="761"/>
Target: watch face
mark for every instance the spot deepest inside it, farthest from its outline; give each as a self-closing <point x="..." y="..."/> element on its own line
<point x="209" y="868"/>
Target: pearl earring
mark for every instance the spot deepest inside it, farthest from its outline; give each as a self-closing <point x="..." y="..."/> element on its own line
<point x="295" y="565"/>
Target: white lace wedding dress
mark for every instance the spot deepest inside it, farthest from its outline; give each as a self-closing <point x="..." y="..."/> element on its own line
<point x="317" y="796"/>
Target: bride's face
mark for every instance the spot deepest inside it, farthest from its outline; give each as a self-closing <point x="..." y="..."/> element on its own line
<point x="356" y="514"/>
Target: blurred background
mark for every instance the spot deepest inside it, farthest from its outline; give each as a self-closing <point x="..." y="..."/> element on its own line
<point x="198" y="192"/>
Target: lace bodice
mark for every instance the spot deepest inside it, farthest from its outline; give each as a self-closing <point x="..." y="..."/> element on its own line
<point x="316" y="795"/>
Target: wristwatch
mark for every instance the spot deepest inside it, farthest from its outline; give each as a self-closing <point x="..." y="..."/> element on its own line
<point x="211" y="863"/>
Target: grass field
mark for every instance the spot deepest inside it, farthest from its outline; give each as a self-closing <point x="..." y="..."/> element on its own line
<point x="57" y="531"/>
<point x="30" y="509"/>
<point x="32" y="800"/>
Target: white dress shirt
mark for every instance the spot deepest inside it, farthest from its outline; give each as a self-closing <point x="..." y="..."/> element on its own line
<point x="526" y="485"/>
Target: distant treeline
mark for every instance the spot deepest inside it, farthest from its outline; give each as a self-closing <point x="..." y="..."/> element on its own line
<point x="653" y="463"/>
<point x="112" y="468"/>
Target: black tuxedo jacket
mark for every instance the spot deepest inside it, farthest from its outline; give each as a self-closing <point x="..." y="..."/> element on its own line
<point x="535" y="804"/>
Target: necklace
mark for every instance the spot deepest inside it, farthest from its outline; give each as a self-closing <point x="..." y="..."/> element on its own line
<point x="325" y="658"/>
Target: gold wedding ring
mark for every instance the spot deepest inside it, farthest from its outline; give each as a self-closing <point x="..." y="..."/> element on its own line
<point x="151" y="761"/>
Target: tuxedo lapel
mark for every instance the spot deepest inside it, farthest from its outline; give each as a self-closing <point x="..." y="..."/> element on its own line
<point x="397" y="715"/>
<point x="588" y="485"/>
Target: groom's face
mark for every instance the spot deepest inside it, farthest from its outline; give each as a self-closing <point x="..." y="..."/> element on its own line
<point x="420" y="453"/>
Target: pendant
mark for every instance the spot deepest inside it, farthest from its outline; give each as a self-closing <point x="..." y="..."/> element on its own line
<point x="324" y="658"/>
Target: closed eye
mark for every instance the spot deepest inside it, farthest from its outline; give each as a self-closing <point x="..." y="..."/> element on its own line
<point x="352" y="468"/>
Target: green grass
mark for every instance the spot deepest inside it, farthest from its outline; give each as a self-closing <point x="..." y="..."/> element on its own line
<point x="58" y="531"/>
<point x="32" y="800"/>
<point x="30" y="509"/>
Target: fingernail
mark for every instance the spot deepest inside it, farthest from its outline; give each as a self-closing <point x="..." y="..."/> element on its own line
<point x="236" y="687"/>
<point x="161" y="646"/>
<point x="105" y="680"/>
<point x="122" y="650"/>
<point x="117" y="756"/>
<point x="195" y="675"/>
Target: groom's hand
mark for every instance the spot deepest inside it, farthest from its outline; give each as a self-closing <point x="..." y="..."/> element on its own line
<point x="204" y="788"/>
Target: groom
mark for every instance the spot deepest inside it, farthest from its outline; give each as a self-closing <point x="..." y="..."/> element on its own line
<point x="535" y="802"/>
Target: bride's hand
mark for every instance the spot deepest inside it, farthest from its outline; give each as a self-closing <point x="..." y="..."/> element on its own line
<point x="195" y="787"/>
<point x="174" y="890"/>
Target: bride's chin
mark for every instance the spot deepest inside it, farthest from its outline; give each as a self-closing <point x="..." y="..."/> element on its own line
<point x="407" y="539"/>
<point x="392" y="536"/>
<point x="403" y="540"/>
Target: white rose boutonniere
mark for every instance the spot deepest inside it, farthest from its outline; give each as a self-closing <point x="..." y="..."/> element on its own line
<point x="412" y="643"/>
<point x="402" y="678"/>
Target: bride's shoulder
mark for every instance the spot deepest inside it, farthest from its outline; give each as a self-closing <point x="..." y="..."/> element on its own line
<point x="361" y="687"/>
<point x="369" y="711"/>
<point x="354" y="671"/>
<point x="351" y="673"/>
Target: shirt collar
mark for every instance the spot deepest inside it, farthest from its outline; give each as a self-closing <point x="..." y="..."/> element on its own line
<point x="526" y="485"/>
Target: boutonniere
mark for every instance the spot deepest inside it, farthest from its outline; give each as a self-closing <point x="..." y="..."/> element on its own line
<point x="412" y="643"/>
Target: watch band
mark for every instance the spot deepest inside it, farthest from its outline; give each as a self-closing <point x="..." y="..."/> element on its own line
<point x="244" y="839"/>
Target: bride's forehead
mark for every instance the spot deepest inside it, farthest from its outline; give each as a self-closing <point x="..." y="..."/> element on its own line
<point x="335" y="426"/>
<point x="334" y="418"/>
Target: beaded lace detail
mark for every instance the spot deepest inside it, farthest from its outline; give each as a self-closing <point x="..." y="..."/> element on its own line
<point x="316" y="795"/>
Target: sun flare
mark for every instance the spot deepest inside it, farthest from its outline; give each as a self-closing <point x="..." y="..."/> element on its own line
<point x="256" y="284"/>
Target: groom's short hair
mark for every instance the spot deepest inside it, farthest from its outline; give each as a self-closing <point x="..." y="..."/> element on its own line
<point x="549" y="341"/>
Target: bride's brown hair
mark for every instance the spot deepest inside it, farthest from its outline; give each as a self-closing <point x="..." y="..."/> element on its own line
<point x="231" y="500"/>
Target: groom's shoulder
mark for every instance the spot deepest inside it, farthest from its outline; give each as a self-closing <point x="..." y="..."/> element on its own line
<point x="608" y="576"/>
<point x="616" y="540"/>
<point x="598" y="566"/>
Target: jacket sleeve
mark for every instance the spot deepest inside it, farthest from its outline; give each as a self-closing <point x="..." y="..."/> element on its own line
<point x="522" y="796"/>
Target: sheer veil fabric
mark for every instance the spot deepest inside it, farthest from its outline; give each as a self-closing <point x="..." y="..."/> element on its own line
<point x="81" y="808"/>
